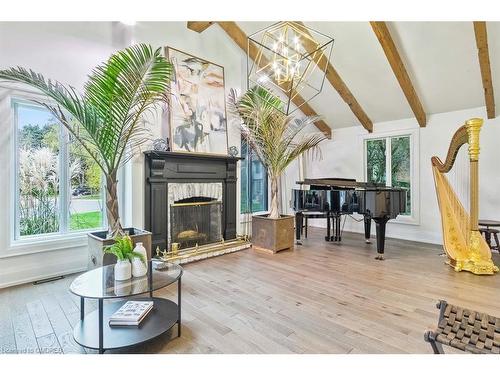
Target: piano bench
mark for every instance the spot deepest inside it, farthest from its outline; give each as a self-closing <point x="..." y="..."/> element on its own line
<point x="465" y="330"/>
<point x="488" y="233"/>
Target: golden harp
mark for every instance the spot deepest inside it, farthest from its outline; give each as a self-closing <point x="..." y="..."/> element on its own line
<point x="465" y="247"/>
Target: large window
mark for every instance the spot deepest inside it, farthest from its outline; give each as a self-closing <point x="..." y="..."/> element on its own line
<point x="389" y="162"/>
<point x="253" y="182"/>
<point x="58" y="185"/>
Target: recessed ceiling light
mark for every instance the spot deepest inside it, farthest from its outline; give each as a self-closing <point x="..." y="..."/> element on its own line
<point x="129" y="23"/>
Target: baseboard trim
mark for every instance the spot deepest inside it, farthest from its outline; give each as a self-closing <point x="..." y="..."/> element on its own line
<point x="40" y="277"/>
<point x="425" y="241"/>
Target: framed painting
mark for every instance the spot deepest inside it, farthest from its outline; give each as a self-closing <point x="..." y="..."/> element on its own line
<point x="198" y="121"/>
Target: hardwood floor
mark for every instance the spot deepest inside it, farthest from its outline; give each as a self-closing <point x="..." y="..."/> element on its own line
<point x="320" y="298"/>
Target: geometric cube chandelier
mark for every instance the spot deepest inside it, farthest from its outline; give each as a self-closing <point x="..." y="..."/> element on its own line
<point x="290" y="61"/>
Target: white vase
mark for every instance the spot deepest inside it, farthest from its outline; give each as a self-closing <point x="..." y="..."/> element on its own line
<point x="123" y="270"/>
<point x="139" y="269"/>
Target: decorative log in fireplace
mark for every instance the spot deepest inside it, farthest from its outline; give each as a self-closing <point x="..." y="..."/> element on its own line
<point x="189" y="198"/>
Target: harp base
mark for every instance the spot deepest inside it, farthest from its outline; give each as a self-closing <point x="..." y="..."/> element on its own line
<point x="477" y="268"/>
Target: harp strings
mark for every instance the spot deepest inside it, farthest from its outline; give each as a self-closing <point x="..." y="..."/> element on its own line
<point x="459" y="179"/>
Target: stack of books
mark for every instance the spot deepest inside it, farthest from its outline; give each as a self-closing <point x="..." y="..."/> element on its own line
<point x="132" y="313"/>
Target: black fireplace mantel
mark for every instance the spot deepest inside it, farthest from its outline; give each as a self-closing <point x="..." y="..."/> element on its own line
<point x="162" y="168"/>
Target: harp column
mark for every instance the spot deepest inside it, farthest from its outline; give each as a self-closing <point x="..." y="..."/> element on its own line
<point x="473" y="127"/>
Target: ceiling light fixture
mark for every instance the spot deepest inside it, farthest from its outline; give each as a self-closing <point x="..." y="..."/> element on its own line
<point x="292" y="58"/>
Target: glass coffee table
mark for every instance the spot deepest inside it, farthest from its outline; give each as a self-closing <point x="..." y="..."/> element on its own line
<point x="93" y="330"/>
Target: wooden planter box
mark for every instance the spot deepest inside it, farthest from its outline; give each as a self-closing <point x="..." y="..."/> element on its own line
<point x="97" y="241"/>
<point x="272" y="235"/>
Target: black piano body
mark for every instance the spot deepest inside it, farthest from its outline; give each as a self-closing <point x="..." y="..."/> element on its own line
<point x="330" y="198"/>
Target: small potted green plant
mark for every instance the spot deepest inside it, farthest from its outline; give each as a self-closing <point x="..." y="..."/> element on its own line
<point x="125" y="255"/>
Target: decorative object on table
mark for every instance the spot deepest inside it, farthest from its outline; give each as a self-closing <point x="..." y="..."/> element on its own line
<point x="131" y="313"/>
<point x="123" y="270"/>
<point x="464" y="329"/>
<point x="198" y="106"/>
<point x="233" y="151"/>
<point x="292" y="59"/>
<point x="161" y="144"/>
<point x="133" y="81"/>
<point x="123" y="250"/>
<point x="277" y="140"/>
<point x="139" y="267"/>
<point x="469" y="251"/>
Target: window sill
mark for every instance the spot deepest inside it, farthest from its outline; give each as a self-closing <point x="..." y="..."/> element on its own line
<point x="46" y="243"/>
<point x="405" y="220"/>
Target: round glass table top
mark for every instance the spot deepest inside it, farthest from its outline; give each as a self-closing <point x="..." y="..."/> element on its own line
<point x="100" y="283"/>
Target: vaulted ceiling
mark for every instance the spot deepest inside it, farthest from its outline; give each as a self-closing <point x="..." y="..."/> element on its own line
<point x="440" y="60"/>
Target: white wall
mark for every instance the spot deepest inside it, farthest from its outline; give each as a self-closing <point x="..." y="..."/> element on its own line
<point x="67" y="52"/>
<point x="343" y="157"/>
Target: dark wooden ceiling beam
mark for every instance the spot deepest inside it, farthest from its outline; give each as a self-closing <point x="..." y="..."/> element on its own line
<point x="484" y="64"/>
<point x="384" y="37"/>
<point x="241" y="39"/>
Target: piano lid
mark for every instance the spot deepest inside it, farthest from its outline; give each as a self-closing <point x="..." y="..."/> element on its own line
<point x="346" y="183"/>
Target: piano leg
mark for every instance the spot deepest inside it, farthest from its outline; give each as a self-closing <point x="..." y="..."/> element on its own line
<point x="368" y="228"/>
<point x="299" y="222"/>
<point x="380" y="226"/>
<point x="328" y="228"/>
<point x="337" y="228"/>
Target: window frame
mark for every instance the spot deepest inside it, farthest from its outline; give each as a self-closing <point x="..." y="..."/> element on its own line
<point x="414" y="135"/>
<point x="265" y="193"/>
<point x="64" y="233"/>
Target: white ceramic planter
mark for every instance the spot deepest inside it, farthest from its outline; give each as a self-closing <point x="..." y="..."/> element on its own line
<point x="123" y="270"/>
<point x="139" y="269"/>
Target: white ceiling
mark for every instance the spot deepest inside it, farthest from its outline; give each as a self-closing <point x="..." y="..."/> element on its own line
<point x="441" y="59"/>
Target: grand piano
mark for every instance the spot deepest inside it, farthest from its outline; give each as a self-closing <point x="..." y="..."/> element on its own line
<point x="330" y="198"/>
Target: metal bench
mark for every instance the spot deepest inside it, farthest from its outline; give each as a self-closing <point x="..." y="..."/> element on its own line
<point x="464" y="329"/>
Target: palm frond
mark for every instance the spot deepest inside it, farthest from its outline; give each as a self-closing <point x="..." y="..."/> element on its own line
<point x="277" y="139"/>
<point x="106" y="119"/>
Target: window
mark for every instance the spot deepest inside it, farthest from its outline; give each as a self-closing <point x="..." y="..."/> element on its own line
<point x="391" y="154"/>
<point x="58" y="186"/>
<point x="253" y="182"/>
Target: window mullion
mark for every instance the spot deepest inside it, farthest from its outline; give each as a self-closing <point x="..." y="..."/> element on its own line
<point x="388" y="161"/>
<point x="17" y="195"/>
<point x="63" y="181"/>
<point x="250" y="179"/>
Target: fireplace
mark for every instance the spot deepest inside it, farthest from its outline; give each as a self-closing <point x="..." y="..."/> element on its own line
<point x="195" y="213"/>
<point x="196" y="222"/>
<point x="190" y="199"/>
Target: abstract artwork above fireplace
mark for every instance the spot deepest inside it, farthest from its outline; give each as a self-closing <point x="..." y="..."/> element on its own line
<point x="198" y="108"/>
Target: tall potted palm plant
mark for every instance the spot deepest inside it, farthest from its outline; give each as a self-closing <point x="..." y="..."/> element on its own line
<point x="107" y="118"/>
<point x="277" y="140"/>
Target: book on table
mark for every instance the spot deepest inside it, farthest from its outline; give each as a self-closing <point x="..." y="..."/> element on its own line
<point x="131" y="313"/>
